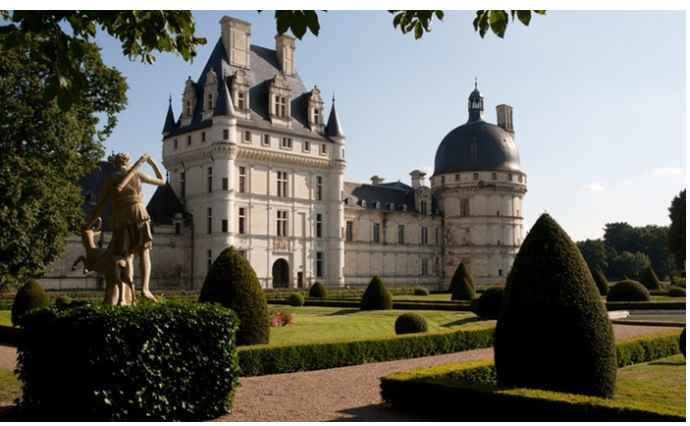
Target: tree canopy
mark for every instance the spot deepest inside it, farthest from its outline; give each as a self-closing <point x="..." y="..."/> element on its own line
<point x="676" y="232"/>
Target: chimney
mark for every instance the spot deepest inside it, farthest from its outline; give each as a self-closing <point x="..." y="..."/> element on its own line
<point x="504" y="117"/>
<point x="285" y="49"/>
<point x="236" y="35"/>
<point x="417" y="178"/>
<point x="376" y="180"/>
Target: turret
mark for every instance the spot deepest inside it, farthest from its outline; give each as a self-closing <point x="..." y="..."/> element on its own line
<point x="333" y="129"/>
<point x="169" y="119"/>
<point x="475" y="105"/>
<point x="224" y="106"/>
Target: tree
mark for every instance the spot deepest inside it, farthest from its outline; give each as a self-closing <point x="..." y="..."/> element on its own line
<point x="594" y="253"/>
<point x="676" y="232"/>
<point x="45" y="151"/>
<point x="651" y="240"/>
<point x="627" y="264"/>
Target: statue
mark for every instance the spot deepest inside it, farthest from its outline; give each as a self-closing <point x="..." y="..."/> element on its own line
<point x="131" y="224"/>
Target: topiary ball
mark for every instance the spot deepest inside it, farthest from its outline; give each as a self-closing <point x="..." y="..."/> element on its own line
<point x="421" y="291"/>
<point x="318" y="290"/>
<point x="553" y="332"/>
<point x="232" y="282"/>
<point x="601" y="282"/>
<point x="628" y="291"/>
<point x="489" y="303"/>
<point x="649" y="279"/>
<point x="462" y="284"/>
<point x="676" y="292"/>
<point x="682" y="342"/>
<point x="295" y="299"/>
<point x="410" y="323"/>
<point x="30" y="296"/>
<point x="376" y="296"/>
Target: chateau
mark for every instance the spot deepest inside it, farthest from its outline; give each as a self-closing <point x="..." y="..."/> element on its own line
<point x="254" y="161"/>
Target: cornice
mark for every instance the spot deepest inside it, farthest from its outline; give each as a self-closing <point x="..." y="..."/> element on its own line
<point x="253" y="154"/>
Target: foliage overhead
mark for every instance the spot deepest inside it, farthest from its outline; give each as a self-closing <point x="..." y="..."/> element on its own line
<point x="676" y="232"/>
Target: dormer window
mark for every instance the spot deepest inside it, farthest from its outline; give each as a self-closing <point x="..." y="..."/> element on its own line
<point x="188" y="107"/>
<point x="364" y="203"/>
<point x="241" y="101"/>
<point x="323" y="148"/>
<point x="317" y="116"/>
<point x="279" y="96"/>
<point x="188" y="102"/>
<point x="209" y="102"/>
<point x="281" y="106"/>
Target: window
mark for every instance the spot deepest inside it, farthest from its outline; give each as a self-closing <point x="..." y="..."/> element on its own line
<point x="174" y="143"/>
<point x="241" y="100"/>
<point x="282" y="223"/>
<point x="266" y="140"/>
<point x="498" y="212"/>
<point x="498" y="242"/>
<point x="317" y="116"/>
<point x="425" y="267"/>
<point x="226" y="134"/>
<point x="425" y="235"/>
<point x="282" y="184"/>
<point x="281" y="106"/>
<point x="183" y="185"/>
<point x="209" y="260"/>
<point x="224" y="226"/>
<point x="364" y="203"/>
<point x="225" y="184"/>
<point x="443" y="180"/>
<point x="242" y="221"/>
<point x="209" y="102"/>
<point x="510" y="177"/>
<point x="319" y="225"/>
<point x="307" y="146"/>
<point x="464" y="207"/>
<point x="436" y="235"/>
<point x="376" y="233"/>
<point x="349" y="230"/>
<point x="500" y="272"/>
<point x="319" y="264"/>
<point x="209" y="220"/>
<point x="423" y="206"/>
<point x="457" y="177"/>
<point x="323" y="148"/>
<point x="494" y="176"/>
<point x="286" y="143"/>
<point x="203" y="136"/>
<point x="189" y="140"/>
<point x="475" y="176"/>
<point x="519" y="178"/>
<point x="243" y="180"/>
<point x="209" y="179"/>
<point x="401" y="234"/>
<point x="319" y="188"/>
<point x="178" y="228"/>
<point x="247" y="136"/>
<point x="517" y="213"/>
<point x="188" y="107"/>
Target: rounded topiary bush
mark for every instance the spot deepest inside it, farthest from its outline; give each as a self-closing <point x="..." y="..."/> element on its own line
<point x="30" y="296"/>
<point x="553" y="331"/>
<point x="601" y="282"/>
<point x="318" y="290"/>
<point x="682" y="342"/>
<point x="628" y="291"/>
<point x="488" y="304"/>
<point x="232" y="282"/>
<point x="410" y="322"/>
<point x="295" y="299"/>
<point x="376" y="296"/>
<point x="421" y="291"/>
<point x="649" y="279"/>
<point x="462" y="284"/>
<point x="676" y="292"/>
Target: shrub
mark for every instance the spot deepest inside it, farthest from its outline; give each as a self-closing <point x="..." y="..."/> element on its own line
<point x="421" y="291"/>
<point x="489" y="303"/>
<point x="681" y="342"/>
<point x="553" y="332"/>
<point x="295" y="299"/>
<point x="676" y="292"/>
<point x="601" y="282"/>
<point x="677" y="281"/>
<point x="410" y="323"/>
<point x="30" y="296"/>
<point x="232" y="282"/>
<point x="649" y="279"/>
<point x="162" y="362"/>
<point x="628" y="291"/>
<point x="462" y="284"/>
<point x="376" y="296"/>
<point x="318" y="290"/>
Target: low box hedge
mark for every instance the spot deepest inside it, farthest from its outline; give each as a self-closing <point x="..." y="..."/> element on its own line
<point x="626" y="306"/>
<point x="434" y="392"/>
<point x="261" y="360"/>
<point x="397" y="304"/>
<point x="165" y="361"/>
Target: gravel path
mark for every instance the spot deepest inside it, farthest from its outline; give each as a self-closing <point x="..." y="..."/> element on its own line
<point x="345" y="394"/>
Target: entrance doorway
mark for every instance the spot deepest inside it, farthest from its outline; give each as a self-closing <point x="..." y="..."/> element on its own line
<point x="281" y="274"/>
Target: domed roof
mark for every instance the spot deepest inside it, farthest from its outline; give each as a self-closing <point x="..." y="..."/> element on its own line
<point x="477" y="145"/>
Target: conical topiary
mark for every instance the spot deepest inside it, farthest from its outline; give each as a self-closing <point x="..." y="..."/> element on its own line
<point x="318" y="290"/>
<point x="601" y="282"/>
<point x="649" y="279"/>
<point x="553" y="332"/>
<point x="30" y="296"/>
<point x="462" y="284"/>
<point x="376" y="296"/>
<point x="232" y="282"/>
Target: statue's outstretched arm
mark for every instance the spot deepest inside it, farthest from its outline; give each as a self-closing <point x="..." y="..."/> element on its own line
<point x="96" y="212"/>
<point x="159" y="180"/>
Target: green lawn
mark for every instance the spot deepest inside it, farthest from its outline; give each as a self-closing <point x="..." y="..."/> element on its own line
<point x="431" y="297"/>
<point x="314" y="324"/>
<point x="6" y="318"/>
<point x="660" y="382"/>
<point x="10" y="388"/>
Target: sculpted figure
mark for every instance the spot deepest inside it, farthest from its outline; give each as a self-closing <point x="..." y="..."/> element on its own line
<point x="131" y="222"/>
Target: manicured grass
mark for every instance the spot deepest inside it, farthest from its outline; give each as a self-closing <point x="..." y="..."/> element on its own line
<point x="10" y="387"/>
<point x="660" y="382"/>
<point x="661" y="298"/>
<point x="6" y="318"/>
<point x="431" y="297"/>
<point x="313" y="324"/>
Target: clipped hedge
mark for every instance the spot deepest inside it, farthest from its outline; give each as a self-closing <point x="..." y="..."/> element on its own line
<point x="162" y="362"/>
<point x="410" y="322"/>
<point x="376" y="297"/>
<point x="261" y="360"/>
<point x="628" y="291"/>
<point x="421" y="291"/>
<point x="295" y="299"/>
<point x="318" y="290"/>
<point x="462" y="284"/>
<point x="30" y="296"/>
<point x="488" y="305"/>
<point x="601" y="282"/>
<point x="676" y="292"/>
<point x="649" y="279"/>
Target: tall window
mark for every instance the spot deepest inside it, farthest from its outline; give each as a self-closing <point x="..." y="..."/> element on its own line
<point x="189" y="140"/>
<point x="209" y="260"/>
<point x="225" y="184"/>
<point x="175" y="144"/>
<point x="436" y="236"/>
<point x="349" y="230"/>
<point x="209" y="220"/>
<point x="494" y="176"/>
<point x="317" y="116"/>
<point x="226" y="134"/>
<point x="319" y="188"/>
<point x="401" y="234"/>
<point x="423" y="206"/>
<point x="188" y="107"/>
<point x="224" y="226"/>
<point x="281" y="106"/>
<point x="247" y="136"/>
<point x="376" y="232"/>
<point x="242" y="220"/>
<point x="323" y="148"/>
<point x="475" y="176"/>
<point x="425" y="267"/>
<point x="243" y="180"/>
<point x="203" y="136"/>
<point x="425" y="235"/>
<point x="209" y="179"/>
<point x="267" y="140"/>
<point x="319" y="225"/>
<point x="183" y="185"/>
<point x="307" y="146"/>
<point x="286" y="143"/>
<point x="319" y="264"/>
<point x="241" y="100"/>
<point x="282" y="223"/>
<point x="282" y="184"/>
<point x="209" y="102"/>
<point x="464" y="207"/>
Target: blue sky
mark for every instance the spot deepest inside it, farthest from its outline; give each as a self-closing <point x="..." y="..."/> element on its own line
<point x="599" y="101"/>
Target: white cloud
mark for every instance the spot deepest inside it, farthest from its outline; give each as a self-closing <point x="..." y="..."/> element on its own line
<point x="668" y="171"/>
<point x="593" y="187"/>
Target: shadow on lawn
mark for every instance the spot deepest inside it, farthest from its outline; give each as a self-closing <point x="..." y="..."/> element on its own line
<point x="461" y="322"/>
<point x="343" y="312"/>
<point x="674" y="363"/>
<point x="375" y="413"/>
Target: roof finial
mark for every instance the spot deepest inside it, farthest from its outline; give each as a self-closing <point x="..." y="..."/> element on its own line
<point x="475" y="82"/>
<point x="333" y="97"/>
<point x="170" y="99"/>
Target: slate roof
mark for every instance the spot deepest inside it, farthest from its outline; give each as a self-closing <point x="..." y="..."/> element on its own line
<point x="333" y="128"/>
<point x="397" y="193"/>
<point x="163" y="206"/>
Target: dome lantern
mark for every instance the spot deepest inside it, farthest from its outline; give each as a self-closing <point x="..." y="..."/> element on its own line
<point x="475" y="104"/>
